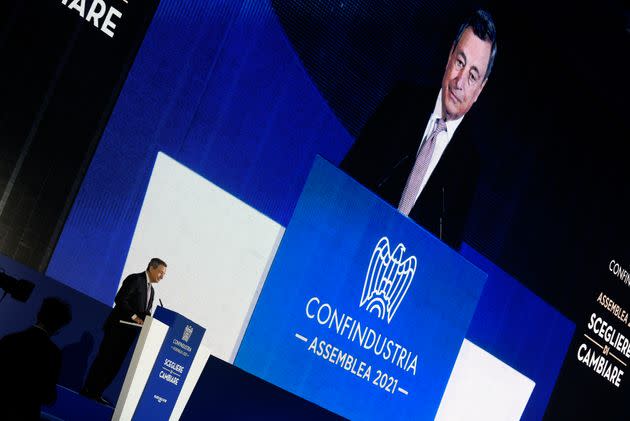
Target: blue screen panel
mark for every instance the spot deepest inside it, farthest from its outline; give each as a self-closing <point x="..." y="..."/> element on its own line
<point x="363" y="312"/>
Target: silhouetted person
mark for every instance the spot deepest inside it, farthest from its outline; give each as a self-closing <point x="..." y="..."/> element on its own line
<point x="31" y="363"/>
<point x="76" y="354"/>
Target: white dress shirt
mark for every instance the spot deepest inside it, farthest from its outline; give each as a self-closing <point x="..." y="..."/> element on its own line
<point x="441" y="141"/>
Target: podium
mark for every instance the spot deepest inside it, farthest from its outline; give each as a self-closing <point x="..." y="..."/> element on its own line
<point x="166" y="363"/>
<point x="363" y="312"/>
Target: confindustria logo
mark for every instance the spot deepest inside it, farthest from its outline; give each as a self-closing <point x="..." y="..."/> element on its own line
<point x="387" y="280"/>
<point x="188" y="330"/>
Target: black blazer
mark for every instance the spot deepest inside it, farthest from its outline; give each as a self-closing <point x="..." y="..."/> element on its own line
<point x="384" y="153"/>
<point x="131" y="299"/>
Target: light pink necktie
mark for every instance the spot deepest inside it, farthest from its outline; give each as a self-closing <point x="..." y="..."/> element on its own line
<point x="414" y="181"/>
<point x="148" y="295"/>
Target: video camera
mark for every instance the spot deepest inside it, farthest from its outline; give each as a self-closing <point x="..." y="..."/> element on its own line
<point x="18" y="289"/>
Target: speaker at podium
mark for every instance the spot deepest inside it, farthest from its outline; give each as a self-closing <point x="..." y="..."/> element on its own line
<point x="166" y="363"/>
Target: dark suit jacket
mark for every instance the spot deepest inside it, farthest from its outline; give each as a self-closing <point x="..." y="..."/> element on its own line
<point x="385" y="151"/>
<point x="31" y="364"/>
<point x="131" y="299"/>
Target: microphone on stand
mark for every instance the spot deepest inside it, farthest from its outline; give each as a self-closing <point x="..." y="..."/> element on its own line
<point x="387" y="176"/>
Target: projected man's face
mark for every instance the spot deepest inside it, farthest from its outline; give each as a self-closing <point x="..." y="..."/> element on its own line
<point x="156" y="274"/>
<point x="464" y="76"/>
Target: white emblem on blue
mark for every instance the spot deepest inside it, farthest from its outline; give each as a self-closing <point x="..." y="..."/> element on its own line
<point x="387" y="280"/>
<point x="188" y="330"/>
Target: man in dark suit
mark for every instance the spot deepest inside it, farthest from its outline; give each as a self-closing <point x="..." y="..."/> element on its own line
<point x="133" y="303"/>
<point x="31" y="363"/>
<point x="408" y="152"/>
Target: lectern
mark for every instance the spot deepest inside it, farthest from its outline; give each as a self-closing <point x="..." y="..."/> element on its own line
<point x="166" y="363"/>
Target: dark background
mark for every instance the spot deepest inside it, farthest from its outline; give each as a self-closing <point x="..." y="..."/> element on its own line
<point x="59" y="80"/>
